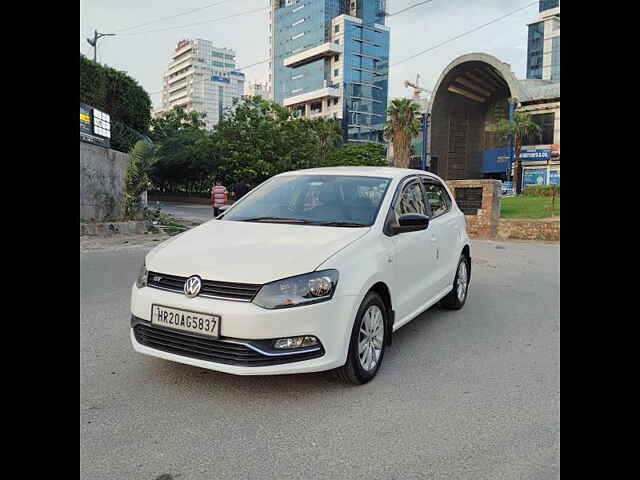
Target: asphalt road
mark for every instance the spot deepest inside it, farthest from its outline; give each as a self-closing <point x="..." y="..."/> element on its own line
<point x="188" y="211"/>
<point x="472" y="394"/>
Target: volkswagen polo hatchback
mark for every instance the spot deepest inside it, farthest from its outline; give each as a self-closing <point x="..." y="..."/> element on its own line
<point x="312" y="270"/>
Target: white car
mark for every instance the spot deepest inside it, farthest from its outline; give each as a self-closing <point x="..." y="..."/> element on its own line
<point x="312" y="270"/>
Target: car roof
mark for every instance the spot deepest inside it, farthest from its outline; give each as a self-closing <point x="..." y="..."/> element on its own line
<point x="384" y="172"/>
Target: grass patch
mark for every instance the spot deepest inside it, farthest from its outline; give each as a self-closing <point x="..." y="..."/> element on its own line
<point x="528" y="207"/>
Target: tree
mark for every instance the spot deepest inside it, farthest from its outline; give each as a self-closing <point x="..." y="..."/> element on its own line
<point x="183" y="152"/>
<point x="357" y="154"/>
<point x="259" y="139"/>
<point x="402" y="126"/>
<point x="329" y="136"/>
<point x="520" y="128"/>
<point x="169" y="123"/>
<point x="117" y="94"/>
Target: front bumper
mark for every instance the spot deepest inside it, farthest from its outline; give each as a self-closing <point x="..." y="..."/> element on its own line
<point x="246" y="334"/>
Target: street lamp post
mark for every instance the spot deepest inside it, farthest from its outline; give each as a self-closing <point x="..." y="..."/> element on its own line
<point x="94" y="42"/>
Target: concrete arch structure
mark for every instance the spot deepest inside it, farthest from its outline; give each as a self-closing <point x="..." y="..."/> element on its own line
<point x="470" y="96"/>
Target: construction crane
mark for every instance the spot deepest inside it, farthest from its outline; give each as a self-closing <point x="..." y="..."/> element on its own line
<point x="417" y="89"/>
<point x="424" y="118"/>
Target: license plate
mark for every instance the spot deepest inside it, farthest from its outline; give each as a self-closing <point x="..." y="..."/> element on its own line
<point x="185" y="320"/>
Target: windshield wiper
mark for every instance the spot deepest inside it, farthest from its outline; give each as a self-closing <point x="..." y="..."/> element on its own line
<point x="340" y="224"/>
<point x="301" y="221"/>
<point x="275" y="219"/>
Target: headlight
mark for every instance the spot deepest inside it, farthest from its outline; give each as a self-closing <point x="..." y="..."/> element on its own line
<point x="301" y="290"/>
<point x="141" y="281"/>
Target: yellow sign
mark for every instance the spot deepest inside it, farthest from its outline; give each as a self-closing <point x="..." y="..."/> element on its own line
<point x="84" y="117"/>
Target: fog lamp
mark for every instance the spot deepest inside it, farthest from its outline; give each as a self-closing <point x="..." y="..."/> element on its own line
<point x="295" y="342"/>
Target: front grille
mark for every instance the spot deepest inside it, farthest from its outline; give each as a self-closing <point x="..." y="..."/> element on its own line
<point x="243" y="292"/>
<point x="209" y="349"/>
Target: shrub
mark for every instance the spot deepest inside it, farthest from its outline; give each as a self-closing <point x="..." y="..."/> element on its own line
<point x="542" y="190"/>
<point x="136" y="180"/>
<point x="115" y="93"/>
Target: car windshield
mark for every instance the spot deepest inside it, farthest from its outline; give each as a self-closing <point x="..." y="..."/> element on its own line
<point x="331" y="200"/>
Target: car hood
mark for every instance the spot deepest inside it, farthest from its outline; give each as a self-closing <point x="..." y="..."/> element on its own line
<point x="249" y="252"/>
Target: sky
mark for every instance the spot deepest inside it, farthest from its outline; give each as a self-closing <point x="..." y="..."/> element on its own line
<point x="143" y="50"/>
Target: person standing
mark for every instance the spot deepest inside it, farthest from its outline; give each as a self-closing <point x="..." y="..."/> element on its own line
<point x="239" y="190"/>
<point x="218" y="196"/>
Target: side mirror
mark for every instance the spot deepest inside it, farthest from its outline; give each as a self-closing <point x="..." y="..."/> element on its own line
<point x="411" y="222"/>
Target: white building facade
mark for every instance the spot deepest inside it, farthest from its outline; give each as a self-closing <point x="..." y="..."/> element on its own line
<point x="257" y="89"/>
<point x="202" y="78"/>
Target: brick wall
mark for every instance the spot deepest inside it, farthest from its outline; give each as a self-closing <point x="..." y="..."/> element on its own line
<point x="529" y="229"/>
<point x="484" y="224"/>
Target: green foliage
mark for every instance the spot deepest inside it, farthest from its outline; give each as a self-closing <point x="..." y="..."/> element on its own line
<point x="357" y="154"/>
<point x="329" y="136"/>
<point x="92" y="83"/>
<point x="260" y="139"/>
<point x="402" y="126"/>
<point x="520" y="128"/>
<point x="542" y="190"/>
<point x="254" y="141"/>
<point x="115" y="93"/>
<point x="169" y="123"/>
<point x="185" y="155"/>
<point x="136" y="180"/>
<point x="529" y="207"/>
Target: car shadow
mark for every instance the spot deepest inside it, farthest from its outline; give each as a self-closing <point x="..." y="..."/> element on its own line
<point x="408" y="343"/>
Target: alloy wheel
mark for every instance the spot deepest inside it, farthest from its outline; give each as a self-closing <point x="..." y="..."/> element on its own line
<point x="370" y="338"/>
<point x="462" y="281"/>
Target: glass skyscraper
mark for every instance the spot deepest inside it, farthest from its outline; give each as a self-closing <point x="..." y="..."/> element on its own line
<point x="330" y="58"/>
<point x="543" y="44"/>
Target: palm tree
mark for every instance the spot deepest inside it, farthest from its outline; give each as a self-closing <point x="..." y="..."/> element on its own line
<point x="521" y="127"/>
<point x="402" y="126"/>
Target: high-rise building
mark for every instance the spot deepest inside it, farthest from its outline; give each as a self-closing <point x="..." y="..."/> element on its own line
<point x="543" y="46"/>
<point x="330" y="58"/>
<point x="256" y="89"/>
<point x="201" y="78"/>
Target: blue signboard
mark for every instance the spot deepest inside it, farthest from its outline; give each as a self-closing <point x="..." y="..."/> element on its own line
<point x="496" y="160"/>
<point x="240" y="74"/>
<point x="554" y="177"/>
<point x="215" y="78"/>
<point x="534" y="176"/>
<point x="532" y="153"/>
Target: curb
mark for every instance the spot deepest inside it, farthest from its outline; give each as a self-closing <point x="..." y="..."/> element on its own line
<point x="112" y="228"/>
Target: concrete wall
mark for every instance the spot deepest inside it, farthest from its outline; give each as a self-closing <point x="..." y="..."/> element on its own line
<point x="102" y="172"/>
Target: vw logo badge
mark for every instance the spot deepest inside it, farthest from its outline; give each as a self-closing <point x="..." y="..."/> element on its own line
<point x="192" y="286"/>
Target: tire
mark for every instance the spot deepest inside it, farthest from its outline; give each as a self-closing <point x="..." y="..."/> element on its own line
<point x="372" y="310"/>
<point x="456" y="298"/>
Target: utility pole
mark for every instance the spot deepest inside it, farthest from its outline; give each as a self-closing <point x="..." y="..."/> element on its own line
<point x="94" y="42"/>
